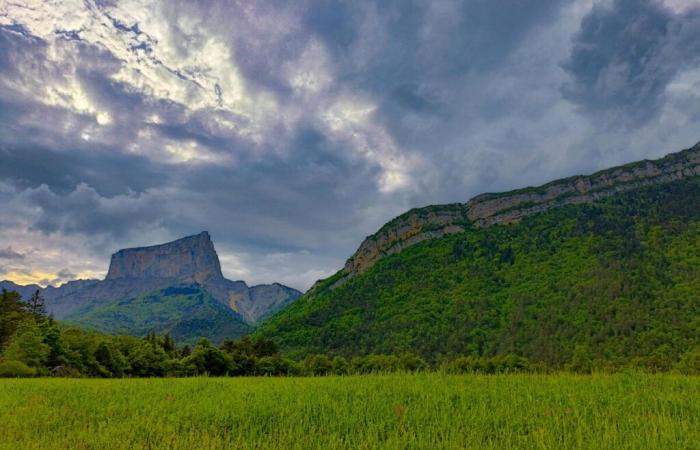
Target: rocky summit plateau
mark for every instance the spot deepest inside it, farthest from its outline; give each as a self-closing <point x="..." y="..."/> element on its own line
<point x="192" y="258"/>
<point x="162" y="275"/>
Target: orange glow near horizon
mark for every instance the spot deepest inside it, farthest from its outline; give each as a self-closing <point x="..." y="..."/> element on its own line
<point x="43" y="279"/>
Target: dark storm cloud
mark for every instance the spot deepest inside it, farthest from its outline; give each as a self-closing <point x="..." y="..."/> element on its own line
<point x="63" y="169"/>
<point x="425" y="41"/>
<point x="84" y="211"/>
<point x="9" y="253"/>
<point x="274" y="202"/>
<point x="625" y="55"/>
<point x="276" y="125"/>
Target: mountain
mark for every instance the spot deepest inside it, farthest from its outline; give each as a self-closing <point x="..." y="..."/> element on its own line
<point x="186" y="312"/>
<point x="24" y="291"/>
<point x="153" y="272"/>
<point x="603" y="267"/>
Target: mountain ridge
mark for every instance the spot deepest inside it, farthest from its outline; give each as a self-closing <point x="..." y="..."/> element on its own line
<point x="435" y="221"/>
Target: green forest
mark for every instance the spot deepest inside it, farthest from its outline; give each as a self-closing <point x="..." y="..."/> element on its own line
<point x="605" y="286"/>
<point x="33" y="344"/>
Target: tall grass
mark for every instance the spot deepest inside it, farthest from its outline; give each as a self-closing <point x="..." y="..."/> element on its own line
<point x="400" y="411"/>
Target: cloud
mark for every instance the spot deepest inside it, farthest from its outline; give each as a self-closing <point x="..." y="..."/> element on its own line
<point x="626" y="54"/>
<point x="9" y="253"/>
<point x="291" y="130"/>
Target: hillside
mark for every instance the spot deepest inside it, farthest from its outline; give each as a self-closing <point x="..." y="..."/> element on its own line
<point x="183" y="312"/>
<point x="613" y="277"/>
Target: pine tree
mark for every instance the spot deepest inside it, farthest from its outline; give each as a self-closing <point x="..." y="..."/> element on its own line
<point x="168" y="344"/>
<point x="36" y="305"/>
<point x="12" y="312"/>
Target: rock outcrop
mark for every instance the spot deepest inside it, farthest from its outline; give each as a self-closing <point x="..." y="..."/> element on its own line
<point x="432" y="222"/>
<point x="190" y="257"/>
<point x="191" y="260"/>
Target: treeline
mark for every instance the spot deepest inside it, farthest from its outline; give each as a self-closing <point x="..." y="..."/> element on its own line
<point x="33" y="344"/>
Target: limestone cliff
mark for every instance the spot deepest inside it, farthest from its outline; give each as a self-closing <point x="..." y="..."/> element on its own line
<point x="192" y="257"/>
<point x="432" y="222"/>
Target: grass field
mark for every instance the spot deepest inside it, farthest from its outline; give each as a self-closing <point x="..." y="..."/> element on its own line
<point x="424" y="411"/>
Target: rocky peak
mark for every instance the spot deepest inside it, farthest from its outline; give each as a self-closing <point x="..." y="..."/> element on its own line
<point x="432" y="222"/>
<point x="191" y="258"/>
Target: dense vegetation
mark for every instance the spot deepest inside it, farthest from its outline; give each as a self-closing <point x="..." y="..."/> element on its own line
<point x="605" y="285"/>
<point x="181" y="312"/>
<point x="423" y="411"/>
<point x="33" y="344"/>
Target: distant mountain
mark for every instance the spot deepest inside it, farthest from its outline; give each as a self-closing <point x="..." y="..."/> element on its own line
<point x="154" y="272"/>
<point x="601" y="268"/>
<point x="24" y="291"/>
<point x="186" y="312"/>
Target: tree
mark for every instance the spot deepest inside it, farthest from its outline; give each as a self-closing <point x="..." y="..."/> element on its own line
<point x="276" y="365"/>
<point x="689" y="363"/>
<point x="581" y="360"/>
<point x="52" y="338"/>
<point x="27" y="346"/>
<point x="265" y="347"/>
<point x="168" y="344"/>
<point x="12" y="313"/>
<point x="411" y="362"/>
<point x="111" y="359"/>
<point x="15" y="369"/>
<point x="36" y="306"/>
<point x="146" y="360"/>
<point x="209" y="360"/>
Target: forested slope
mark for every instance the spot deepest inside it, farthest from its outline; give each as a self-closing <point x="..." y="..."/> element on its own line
<point x="616" y="282"/>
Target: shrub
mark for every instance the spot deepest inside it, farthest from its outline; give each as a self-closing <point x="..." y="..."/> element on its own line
<point x="15" y="369"/>
<point x="276" y="365"/>
<point x="318" y="365"/>
<point x="340" y="366"/>
<point x="411" y="362"/>
<point x="463" y="364"/>
<point x="375" y="364"/>
<point x="689" y="363"/>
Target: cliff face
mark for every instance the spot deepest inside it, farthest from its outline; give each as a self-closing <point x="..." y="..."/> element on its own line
<point x="138" y="271"/>
<point x="432" y="222"/>
<point x="191" y="257"/>
<point x="262" y="301"/>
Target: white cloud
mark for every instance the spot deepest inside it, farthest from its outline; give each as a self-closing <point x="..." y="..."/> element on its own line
<point x="351" y="118"/>
<point x="681" y="6"/>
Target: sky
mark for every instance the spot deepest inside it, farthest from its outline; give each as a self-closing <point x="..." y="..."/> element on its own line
<point x="292" y="130"/>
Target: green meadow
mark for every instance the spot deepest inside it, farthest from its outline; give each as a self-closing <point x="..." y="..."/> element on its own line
<point x="398" y="411"/>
